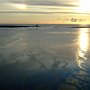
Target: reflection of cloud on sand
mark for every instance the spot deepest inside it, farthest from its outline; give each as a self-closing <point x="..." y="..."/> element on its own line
<point x="58" y="33"/>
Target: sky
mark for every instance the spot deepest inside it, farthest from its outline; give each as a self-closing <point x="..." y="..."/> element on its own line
<point x="44" y="11"/>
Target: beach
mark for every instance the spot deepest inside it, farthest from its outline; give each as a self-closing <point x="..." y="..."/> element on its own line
<point x="48" y="57"/>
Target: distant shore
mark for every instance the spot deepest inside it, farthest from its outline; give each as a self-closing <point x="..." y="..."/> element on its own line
<point x="40" y="25"/>
<point x="15" y="26"/>
<point x="81" y="26"/>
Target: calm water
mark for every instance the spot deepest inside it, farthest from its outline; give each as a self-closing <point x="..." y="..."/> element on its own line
<point x="50" y="57"/>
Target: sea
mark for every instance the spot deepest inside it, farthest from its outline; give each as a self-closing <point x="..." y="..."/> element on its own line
<point x="48" y="57"/>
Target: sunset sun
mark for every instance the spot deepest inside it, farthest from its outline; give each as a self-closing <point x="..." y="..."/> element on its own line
<point x="84" y="5"/>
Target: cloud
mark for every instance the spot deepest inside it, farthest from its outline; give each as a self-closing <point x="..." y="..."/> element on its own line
<point x="46" y="2"/>
<point x="29" y="12"/>
<point x="43" y="7"/>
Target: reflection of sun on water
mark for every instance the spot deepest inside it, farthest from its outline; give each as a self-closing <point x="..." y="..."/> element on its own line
<point x="83" y="39"/>
<point x="83" y="47"/>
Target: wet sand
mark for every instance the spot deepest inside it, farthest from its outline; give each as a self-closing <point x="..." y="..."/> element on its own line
<point x="44" y="58"/>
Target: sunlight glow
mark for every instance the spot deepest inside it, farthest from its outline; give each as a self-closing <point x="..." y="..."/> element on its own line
<point x="20" y="6"/>
<point x="83" y="47"/>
